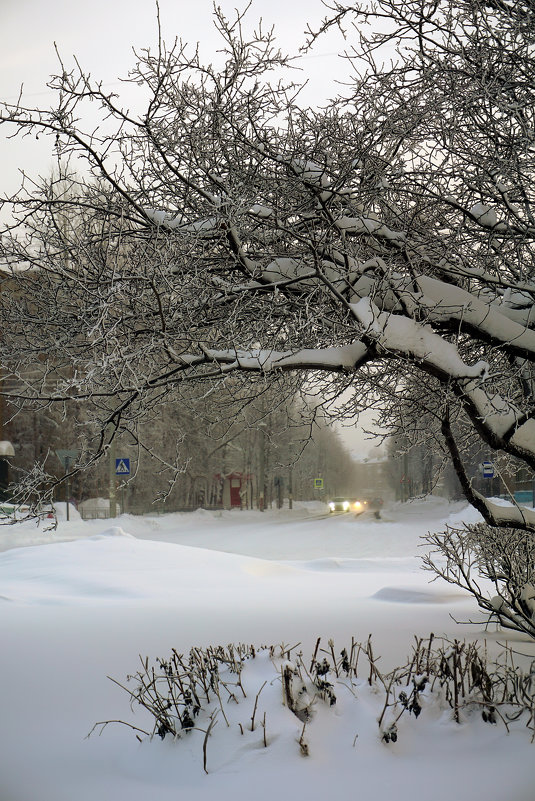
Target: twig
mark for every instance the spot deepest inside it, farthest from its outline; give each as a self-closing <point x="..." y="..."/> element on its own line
<point x="314" y="655"/>
<point x="335" y="666"/>
<point x="213" y="721"/>
<point x="386" y="704"/>
<point x="302" y="745"/>
<point x="255" y="705"/>
<point x="104" y="723"/>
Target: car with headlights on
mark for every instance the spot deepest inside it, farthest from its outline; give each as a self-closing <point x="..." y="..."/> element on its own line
<point x="346" y="504"/>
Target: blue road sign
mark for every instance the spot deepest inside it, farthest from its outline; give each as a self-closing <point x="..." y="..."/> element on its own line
<point x="488" y="470"/>
<point x="122" y="466"/>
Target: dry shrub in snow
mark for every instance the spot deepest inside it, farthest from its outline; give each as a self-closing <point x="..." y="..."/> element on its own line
<point x="497" y="566"/>
<point x="266" y="690"/>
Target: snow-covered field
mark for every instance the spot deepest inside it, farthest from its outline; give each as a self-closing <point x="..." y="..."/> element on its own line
<point x="83" y="603"/>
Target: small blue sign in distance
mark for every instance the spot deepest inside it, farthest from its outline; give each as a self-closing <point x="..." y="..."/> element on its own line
<point x="488" y="470"/>
<point x="122" y="466"/>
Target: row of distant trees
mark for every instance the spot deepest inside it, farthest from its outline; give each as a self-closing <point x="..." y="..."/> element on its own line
<point x="288" y="444"/>
<point x="283" y="441"/>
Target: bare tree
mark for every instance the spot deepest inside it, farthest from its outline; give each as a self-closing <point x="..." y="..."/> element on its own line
<point x="224" y="230"/>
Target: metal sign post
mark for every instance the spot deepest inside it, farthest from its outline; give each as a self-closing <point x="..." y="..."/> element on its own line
<point x="122" y="468"/>
<point x="488" y="473"/>
<point x="67" y="458"/>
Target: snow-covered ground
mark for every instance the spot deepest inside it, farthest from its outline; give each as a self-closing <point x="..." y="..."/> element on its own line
<point x="82" y="603"/>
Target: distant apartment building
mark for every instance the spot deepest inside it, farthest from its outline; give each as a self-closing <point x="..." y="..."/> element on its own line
<point x="372" y="478"/>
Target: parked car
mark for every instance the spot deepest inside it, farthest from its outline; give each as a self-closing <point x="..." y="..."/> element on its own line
<point x="346" y="504"/>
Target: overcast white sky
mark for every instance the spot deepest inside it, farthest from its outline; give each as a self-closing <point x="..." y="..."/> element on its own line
<point x="102" y="35"/>
<point x="102" y="32"/>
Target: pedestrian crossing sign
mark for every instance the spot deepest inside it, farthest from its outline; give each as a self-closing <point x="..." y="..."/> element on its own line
<point x="318" y="483"/>
<point x="122" y="466"/>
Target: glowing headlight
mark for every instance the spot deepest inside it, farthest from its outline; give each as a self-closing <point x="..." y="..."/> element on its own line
<point x="358" y="505"/>
<point x="346" y="506"/>
<point x="331" y="507"/>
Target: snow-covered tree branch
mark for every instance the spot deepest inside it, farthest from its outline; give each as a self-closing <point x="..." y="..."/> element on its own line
<point x="223" y="229"/>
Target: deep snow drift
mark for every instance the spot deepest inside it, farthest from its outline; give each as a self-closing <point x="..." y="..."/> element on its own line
<point x="82" y="603"/>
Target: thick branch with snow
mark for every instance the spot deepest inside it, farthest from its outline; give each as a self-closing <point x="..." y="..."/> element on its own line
<point x="224" y="229"/>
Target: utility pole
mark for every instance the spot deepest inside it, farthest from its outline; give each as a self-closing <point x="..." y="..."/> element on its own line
<point x="290" y="488"/>
<point x="6" y="448"/>
<point x="261" y="465"/>
<point x="67" y="488"/>
<point x="67" y="458"/>
<point x="406" y="484"/>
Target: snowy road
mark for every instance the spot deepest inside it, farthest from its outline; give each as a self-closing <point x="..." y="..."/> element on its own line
<point x="81" y="604"/>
